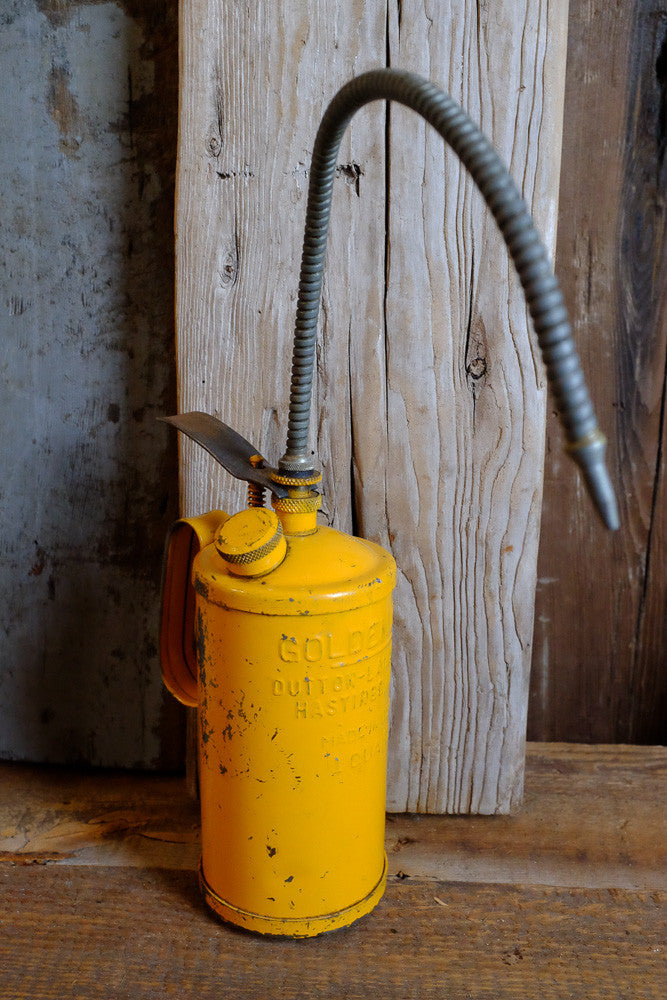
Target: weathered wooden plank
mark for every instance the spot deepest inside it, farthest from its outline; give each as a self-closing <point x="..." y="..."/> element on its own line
<point x="108" y="818"/>
<point x="466" y="408"/>
<point x="428" y="391"/>
<point x="600" y="641"/>
<point x="254" y="82"/>
<point x="110" y="933"/>
<point x="592" y="818"/>
<point x="88" y="125"/>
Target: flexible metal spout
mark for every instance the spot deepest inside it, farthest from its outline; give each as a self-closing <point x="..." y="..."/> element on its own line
<point x="585" y="442"/>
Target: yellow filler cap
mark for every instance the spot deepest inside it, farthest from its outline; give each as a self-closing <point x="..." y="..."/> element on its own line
<point x="251" y="542"/>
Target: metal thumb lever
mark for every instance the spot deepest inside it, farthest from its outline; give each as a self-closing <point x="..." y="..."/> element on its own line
<point x="240" y="458"/>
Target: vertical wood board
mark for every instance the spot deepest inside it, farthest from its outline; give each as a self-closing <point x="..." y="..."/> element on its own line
<point x="86" y="319"/>
<point x="467" y="406"/>
<point x="598" y="669"/>
<point x="429" y="398"/>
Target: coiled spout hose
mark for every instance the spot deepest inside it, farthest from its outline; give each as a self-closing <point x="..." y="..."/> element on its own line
<point x="545" y="302"/>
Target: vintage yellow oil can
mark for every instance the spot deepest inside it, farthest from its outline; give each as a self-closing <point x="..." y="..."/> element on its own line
<point x="293" y="647"/>
<point x="279" y="629"/>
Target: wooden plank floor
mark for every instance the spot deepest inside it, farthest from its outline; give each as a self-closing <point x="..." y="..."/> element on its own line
<point x="98" y="895"/>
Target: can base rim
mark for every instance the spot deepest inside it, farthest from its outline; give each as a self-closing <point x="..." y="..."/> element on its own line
<point x="296" y="927"/>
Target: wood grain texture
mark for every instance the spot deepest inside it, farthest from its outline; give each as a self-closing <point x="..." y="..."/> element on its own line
<point x="254" y="81"/>
<point x="598" y="667"/>
<point x="592" y="818"/>
<point x="101" y="818"/>
<point x="429" y="401"/>
<point x="88" y="127"/>
<point x="463" y="485"/>
<point x="104" y="933"/>
<point x="99" y="898"/>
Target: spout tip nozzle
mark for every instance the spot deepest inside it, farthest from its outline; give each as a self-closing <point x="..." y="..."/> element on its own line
<point x="602" y="494"/>
<point x="590" y="457"/>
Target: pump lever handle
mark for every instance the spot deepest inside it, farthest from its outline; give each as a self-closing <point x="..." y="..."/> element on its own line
<point x="240" y="458"/>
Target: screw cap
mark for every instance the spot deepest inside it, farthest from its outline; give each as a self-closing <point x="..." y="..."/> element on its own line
<point x="251" y="542"/>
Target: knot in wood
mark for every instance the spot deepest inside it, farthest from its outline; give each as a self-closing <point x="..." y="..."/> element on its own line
<point x="476" y="368"/>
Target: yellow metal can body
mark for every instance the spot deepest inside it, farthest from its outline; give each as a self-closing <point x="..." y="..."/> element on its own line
<point x="293" y="694"/>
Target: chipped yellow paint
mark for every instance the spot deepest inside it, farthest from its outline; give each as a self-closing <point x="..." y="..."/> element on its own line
<point x="293" y="696"/>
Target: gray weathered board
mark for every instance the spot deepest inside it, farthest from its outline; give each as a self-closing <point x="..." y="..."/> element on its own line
<point x="87" y="488"/>
<point x="429" y="399"/>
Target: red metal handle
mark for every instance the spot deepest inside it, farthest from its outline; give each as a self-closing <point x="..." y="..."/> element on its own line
<point x="178" y="654"/>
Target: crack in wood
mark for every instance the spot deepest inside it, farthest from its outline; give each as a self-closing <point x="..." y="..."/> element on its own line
<point x="661" y="77"/>
<point x="354" y="511"/>
<point x="475" y="367"/>
<point x="641" y="610"/>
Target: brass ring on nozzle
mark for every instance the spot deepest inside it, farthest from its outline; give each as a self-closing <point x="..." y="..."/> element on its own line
<point x="306" y="504"/>
<point x="293" y="479"/>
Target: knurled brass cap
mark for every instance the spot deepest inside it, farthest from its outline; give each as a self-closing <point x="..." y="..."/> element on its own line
<point x="310" y="502"/>
<point x="298" y="514"/>
<point x="294" y="479"/>
<point x="251" y="542"/>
